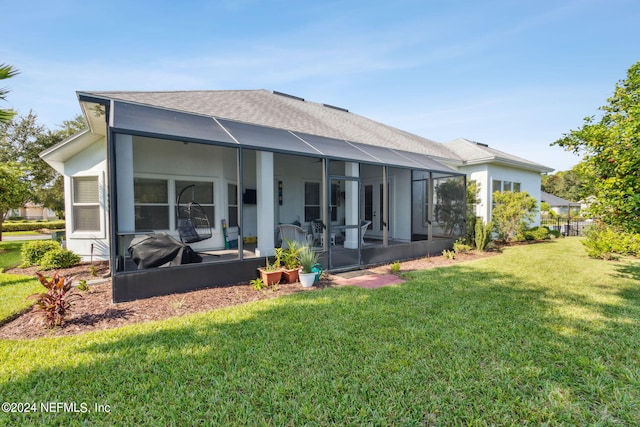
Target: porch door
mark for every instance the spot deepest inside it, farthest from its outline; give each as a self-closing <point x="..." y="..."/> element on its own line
<point x="345" y="236"/>
<point x="374" y="208"/>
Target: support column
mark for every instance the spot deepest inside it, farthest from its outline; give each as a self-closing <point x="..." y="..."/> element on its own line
<point x="124" y="183"/>
<point x="385" y="205"/>
<point x="352" y="206"/>
<point x="430" y="193"/>
<point x="265" y="197"/>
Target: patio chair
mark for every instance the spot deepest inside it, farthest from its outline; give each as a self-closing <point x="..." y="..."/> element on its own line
<point x="317" y="230"/>
<point x="193" y="223"/>
<point x="292" y="233"/>
<point x="363" y="229"/>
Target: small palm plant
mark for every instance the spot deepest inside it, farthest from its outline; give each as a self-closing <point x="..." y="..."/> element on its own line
<point x="6" y="71"/>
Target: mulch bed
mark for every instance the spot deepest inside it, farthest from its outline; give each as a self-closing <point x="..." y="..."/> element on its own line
<point x="96" y="311"/>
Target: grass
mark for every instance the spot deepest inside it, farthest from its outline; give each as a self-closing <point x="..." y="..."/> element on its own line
<point x="540" y="335"/>
<point x="14" y="288"/>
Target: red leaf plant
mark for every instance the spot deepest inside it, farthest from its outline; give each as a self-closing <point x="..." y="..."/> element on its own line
<point x="56" y="302"/>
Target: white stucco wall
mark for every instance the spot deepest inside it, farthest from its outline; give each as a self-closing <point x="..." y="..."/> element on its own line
<point x="485" y="174"/>
<point x="89" y="162"/>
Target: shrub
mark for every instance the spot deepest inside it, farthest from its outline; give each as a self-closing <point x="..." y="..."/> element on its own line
<point x="512" y="213"/>
<point x="555" y="233"/>
<point x="535" y="233"/>
<point x="33" y="226"/>
<point x="395" y="267"/>
<point x="449" y="254"/>
<point x="56" y="302"/>
<point x="33" y="251"/>
<point x="483" y="235"/>
<point x="459" y="246"/>
<point x="607" y="242"/>
<point x="83" y="285"/>
<point x="257" y="284"/>
<point x="58" y="258"/>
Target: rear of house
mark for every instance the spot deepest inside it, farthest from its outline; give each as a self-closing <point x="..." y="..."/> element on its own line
<point x="252" y="161"/>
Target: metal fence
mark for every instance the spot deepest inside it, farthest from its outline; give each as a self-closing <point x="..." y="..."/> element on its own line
<point x="567" y="226"/>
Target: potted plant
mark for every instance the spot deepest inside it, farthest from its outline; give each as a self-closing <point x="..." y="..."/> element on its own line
<point x="271" y="273"/>
<point x="290" y="261"/>
<point x="308" y="259"/>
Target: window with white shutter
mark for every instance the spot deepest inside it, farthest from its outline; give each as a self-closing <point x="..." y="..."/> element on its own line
<point x="86" y="204"/>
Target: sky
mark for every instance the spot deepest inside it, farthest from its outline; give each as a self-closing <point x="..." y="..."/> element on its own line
<point x="513" y="74"/>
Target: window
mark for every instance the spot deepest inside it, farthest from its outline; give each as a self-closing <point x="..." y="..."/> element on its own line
<point x="232" y="197"/>
<point x="86" y="204"/>
<point x="151" y="202"/>
<point x="201" y="193"/>
<point x="311" y="201"/>
<point x="503" y="186"/>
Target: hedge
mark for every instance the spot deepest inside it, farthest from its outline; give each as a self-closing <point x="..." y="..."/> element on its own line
<point x="33" y="226"/>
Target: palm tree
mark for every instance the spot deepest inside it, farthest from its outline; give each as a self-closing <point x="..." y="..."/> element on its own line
<point x="6" y="71"/>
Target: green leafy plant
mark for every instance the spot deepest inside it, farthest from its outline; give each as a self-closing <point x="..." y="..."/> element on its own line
<point x="54" y="304"/>
<point x="535" y="233"/>
<point x="257" y="284"/>
<point x="290" y="255"/>
<point x="606" y="242"/>
<point x="449" y="254"/>
<point x="93" y="270"/>
<point x="276" y="262"/>
<point x="459" y="246"/>
<point x="308" y="259"/>
<point x="483" y="235"/>
<point x="512" y="213"/>
<point x="33" y="251"/>
<point x="83" y="285"/>
<point x="58" y="258"/>
<point x="395" y="267"/>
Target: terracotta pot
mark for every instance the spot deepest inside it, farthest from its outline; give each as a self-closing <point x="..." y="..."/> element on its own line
<point x="291" y="276"/>
<point x="270" y="277"/>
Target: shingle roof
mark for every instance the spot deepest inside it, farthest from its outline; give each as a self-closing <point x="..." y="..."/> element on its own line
<point x="554" y="200"/>
<point x="471" y="152"/>
<point x="271" y="109"/>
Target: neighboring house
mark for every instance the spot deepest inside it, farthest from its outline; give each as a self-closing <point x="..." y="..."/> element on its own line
<point x="256" y="159"/>
<point x="494" y="170"/>
<point x="32" y="211"/>
<point x="558" y="205"/>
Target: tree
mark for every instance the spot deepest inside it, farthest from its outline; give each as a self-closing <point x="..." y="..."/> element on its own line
<point x="513" y="212"/>
<point x="22" y="140"/>
<point x="568" y="184"/>
<point x="611" y="149"/>
<point x="451" y="205"/>
<point x="13" y="190"/>
<point x="6" y="71"/>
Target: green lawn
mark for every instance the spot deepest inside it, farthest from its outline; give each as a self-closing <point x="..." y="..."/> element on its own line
<point x="14" y="288"/>
<point x="540" y="335"/>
